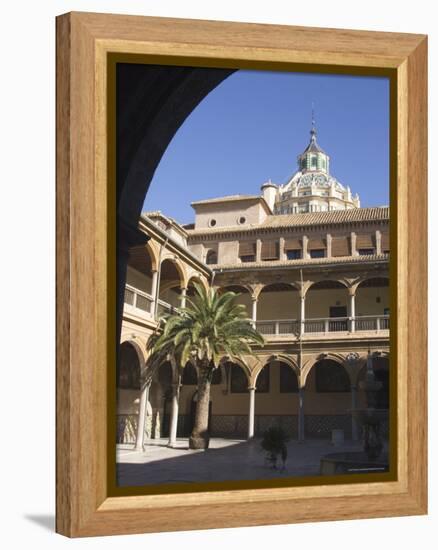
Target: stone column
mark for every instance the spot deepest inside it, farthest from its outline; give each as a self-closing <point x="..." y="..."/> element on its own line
<point x="183" y="297"/>
<point x="329" y="245"/>
<point x="378" y="242"/>
<point x="352" y="293"/>
<point x="354" y="425"/>
<point x="251" y="412"/>
<point x="254" y="310"/>
<point x="301" y="414"/>
<point x="302" y="312"/>
<point x="142" y="415"/>
<point x="353" y="244"/>
<point x="154" y="292"/>
<point x="281" y="253"/>
<point x="174" y="414"/>
<point x="305" y="242"/>
<point x="258" y="250"/>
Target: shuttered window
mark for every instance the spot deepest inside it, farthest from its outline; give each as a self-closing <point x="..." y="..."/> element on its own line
<point x="385" y="242"/>
<point x="270" y="250"/>
<point x="365" y="241"/>
<point x="247" y="248"/>
<point x="316" y="244"/>
<point x="340" y="246"/>
<point x="292" y="244"/>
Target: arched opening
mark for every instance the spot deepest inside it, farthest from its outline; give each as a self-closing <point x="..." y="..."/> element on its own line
<point x="138" y="289"/>
<point x="278" y="309"/>
<point x="128" y="393"/>
<point x="327" y="404"/>
<point x="372" y="304"/>
<point x="244" y="297"/>
<point x="170" y="287"/>
<point x="276" y="398"/>
<point x="152" y="103"/>
<point x="326" y="307"/>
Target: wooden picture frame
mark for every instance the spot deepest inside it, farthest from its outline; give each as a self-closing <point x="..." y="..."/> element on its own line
<point x="86" y="226"/>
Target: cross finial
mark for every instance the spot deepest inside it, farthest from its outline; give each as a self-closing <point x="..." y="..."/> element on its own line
<point x="313" y="130"/>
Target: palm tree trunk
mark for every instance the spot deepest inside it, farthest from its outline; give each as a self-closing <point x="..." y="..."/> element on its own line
<point x="200" y="437"/>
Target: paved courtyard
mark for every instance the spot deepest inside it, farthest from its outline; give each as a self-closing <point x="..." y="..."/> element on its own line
<point x="225" y="460"/>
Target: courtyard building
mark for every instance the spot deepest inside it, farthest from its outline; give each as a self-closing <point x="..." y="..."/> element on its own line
<point x="310" y="265"/>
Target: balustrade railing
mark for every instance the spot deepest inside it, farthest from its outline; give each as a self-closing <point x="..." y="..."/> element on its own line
<point x="138" y="299"/>
<point x="278" y="327"/>
<point x="371" y="322"/>
<point x="323" y="325"/>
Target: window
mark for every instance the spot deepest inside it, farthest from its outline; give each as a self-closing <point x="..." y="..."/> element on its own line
<point x="293" y="254"/>
<point x="241" y="220"/>
<point x="212" y="222"/>
<point x="288" y="379"/>
<point x="313" y="162"/>
<point x="211" y="257"/>
<point x="317" y="253"/>
<point x="270" y="250"/>
<point x="366" y="251"/>
<point x="247" y="251"/>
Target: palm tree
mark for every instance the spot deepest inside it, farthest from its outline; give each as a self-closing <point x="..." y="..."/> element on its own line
<point x="210" y="327"/>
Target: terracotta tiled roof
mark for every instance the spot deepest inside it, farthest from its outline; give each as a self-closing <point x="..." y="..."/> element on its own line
<point x="353" y="215"/>
<point x="309" y="262"/>
<point x="227" y="198"/>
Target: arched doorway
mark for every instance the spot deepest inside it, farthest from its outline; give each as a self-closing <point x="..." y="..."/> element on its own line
<point x="327" y="403"/>
<point x="128" y="393"/>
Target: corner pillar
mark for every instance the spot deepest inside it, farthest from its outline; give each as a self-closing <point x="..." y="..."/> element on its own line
<point x="251" y="412"/>
<point x="142" y="415"/>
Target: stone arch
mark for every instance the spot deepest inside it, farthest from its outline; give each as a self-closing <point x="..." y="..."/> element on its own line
<point x="263" y="287"/>
<point x="281" y="358"/>
<point x="334" y="357"/>
<point x="153" y="101"/>
<point x="130" y="353"/>
<point x="154" y="254"/>
<point x="279" y="302"/>
<point x="142" y="262"/>
<point x="179" y="266"/>
<point x="321" y="282"/>
<point x="198" y="279"/>
<point x="230" y="361"/>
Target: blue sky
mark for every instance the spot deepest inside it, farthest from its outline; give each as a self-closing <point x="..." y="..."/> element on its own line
<point x="254" y="124"/>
